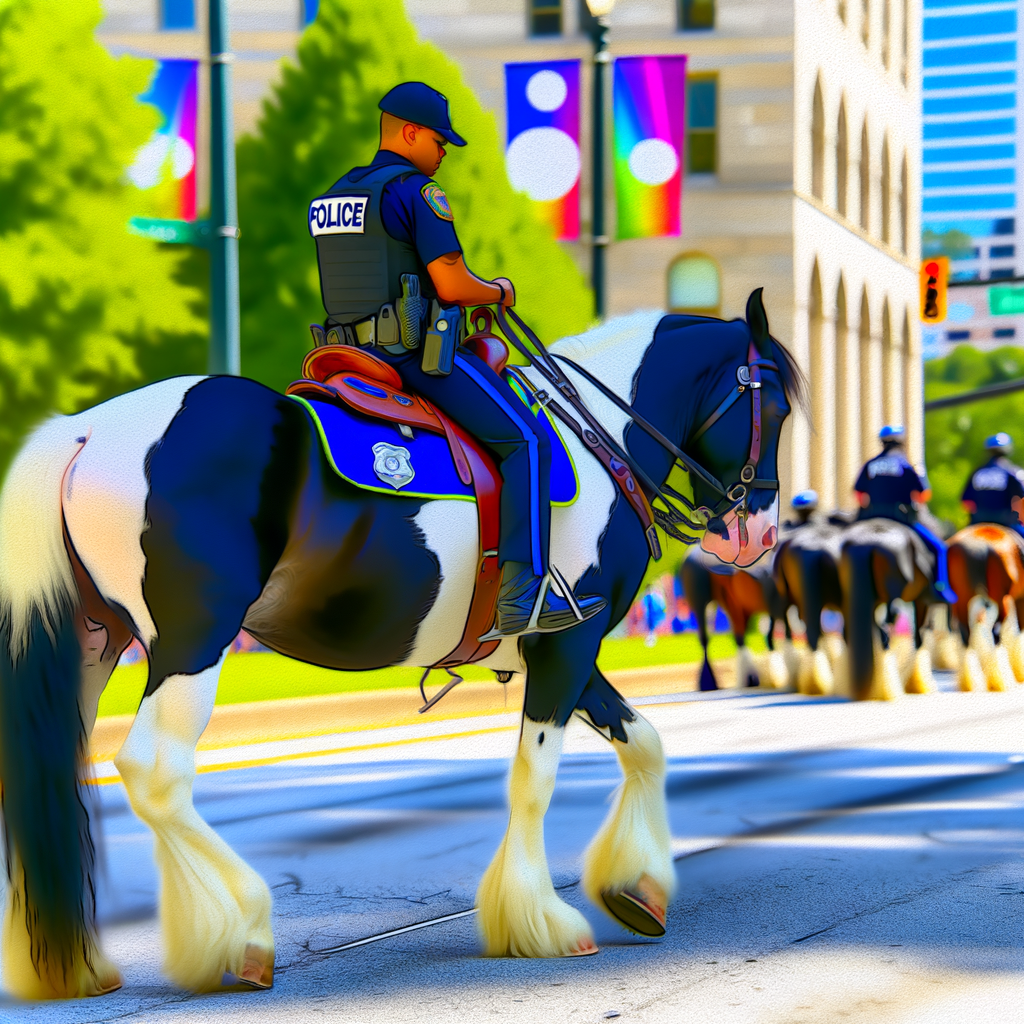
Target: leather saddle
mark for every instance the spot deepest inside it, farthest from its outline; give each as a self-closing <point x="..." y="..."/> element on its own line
<point x="356" y="378"/>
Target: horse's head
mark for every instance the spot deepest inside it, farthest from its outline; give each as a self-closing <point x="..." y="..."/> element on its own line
<point x="738" y="443"/>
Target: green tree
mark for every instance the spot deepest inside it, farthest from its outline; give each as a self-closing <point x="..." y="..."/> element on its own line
<point x="953" y="243"/>
<point x="954" y="437"/>
<point x="85" y="307"/>
<point x="322" y="120"/>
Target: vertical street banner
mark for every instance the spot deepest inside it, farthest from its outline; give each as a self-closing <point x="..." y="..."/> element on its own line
<point x="543" y="155"/>
<point x="169" y="158"/>
<point x="650" y="131"/>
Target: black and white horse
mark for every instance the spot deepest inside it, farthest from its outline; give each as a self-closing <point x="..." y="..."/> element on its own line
<point x="182" y="511"/>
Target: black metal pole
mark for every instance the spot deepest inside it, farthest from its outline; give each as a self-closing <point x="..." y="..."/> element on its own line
<point x="599" y="243"/>
<point x="225" y="348"/>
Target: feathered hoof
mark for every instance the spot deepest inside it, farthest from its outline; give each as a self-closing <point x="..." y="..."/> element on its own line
<point x="999" y="678"/>
<point x="777" y="673"/>
<point x="258" y="970"/>
<point x="641" y="910"/>
<point x="887" y="684"/>
<point x="534" y="928"/>
<point x="971" y="677"/>
<point x="816" y="679"/>
<point x="921" y="679"/>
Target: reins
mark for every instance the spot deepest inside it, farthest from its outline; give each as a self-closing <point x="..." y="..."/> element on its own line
<point x="734" y="497"/>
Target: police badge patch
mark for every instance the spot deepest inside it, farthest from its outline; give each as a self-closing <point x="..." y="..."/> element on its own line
<point x="392" y="464"/>
<point x="437" y="200"/>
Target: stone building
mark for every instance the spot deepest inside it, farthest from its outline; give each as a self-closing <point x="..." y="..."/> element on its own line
<point x="803" y="175"/>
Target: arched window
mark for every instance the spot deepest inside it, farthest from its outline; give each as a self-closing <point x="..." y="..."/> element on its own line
<point x="694" y="285"/>
<point x="847" y="442"/>
<point x="842" y="160"/>
<point x="904" y="42"/>
<point x="821" y="471"/>
<point x="906" y="398"/>
<point x="904" y="205"/>
<point x="841" y="11"/>
<point x="870" y="401"/>
<point x="865" y="22"/>
<point x="892" y="371"/>
<point x="818" y="143"/>
<point x="885" y="33"/>
<point x="865" y="178"/>
<point x="886" y="193"/>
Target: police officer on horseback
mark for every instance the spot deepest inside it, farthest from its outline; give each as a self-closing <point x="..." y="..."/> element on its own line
<point x="890" y="488"/>
<point x="994" y="492"/>
<point x="393" y="277"/>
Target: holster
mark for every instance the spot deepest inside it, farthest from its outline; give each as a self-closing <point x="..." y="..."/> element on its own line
<point x="442" y="339"/>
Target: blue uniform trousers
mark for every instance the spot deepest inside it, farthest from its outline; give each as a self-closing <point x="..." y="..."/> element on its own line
<point x="481" y="402"/>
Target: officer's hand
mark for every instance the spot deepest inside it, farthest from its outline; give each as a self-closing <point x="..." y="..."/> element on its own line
<point x="510" y="292"/>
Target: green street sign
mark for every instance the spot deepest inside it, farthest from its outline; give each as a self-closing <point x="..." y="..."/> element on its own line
<point x="183" y="232"/>
<point x="1005" y="301"/>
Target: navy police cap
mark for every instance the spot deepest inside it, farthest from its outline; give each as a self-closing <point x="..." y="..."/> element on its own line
<point x="891" y="432"/>
<point x="419" y="104"/>
<point x="1000" y="440"/>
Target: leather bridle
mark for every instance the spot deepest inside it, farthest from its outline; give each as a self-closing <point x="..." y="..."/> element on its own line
<point x="732" y="498"/>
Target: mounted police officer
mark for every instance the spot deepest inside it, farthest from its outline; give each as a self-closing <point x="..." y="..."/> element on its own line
<point x="994" y="492"/>
<point x="804" y="505"/>
<point x="890" y="488"/>
<point x="393" y="277"/>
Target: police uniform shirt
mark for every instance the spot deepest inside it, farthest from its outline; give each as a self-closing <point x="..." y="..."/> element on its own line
<point x="889" y="479"/>
<point x="414" y="209"/>
<point x="993" y="487"/>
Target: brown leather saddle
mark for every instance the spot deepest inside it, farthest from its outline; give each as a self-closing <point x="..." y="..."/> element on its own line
<point x="358" y="379"/>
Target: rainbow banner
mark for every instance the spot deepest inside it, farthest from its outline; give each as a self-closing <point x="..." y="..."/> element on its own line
<point x="650" y="132"/>
<point x="170" y="155"/>
<point x="542" y="102"/>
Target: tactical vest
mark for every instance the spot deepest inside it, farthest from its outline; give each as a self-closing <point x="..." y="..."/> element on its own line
<point x="361" y="265"/>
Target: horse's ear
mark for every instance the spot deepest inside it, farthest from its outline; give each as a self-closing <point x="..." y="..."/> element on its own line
<point x="757" y="321"/>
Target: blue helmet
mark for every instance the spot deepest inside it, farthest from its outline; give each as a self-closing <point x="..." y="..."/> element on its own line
<point x="892" y="432"/>
<point x="805" y="499"/>
<point x="997" y="441"/>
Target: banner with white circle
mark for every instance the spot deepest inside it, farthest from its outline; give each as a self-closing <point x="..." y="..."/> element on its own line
<point x="542" y="102"/>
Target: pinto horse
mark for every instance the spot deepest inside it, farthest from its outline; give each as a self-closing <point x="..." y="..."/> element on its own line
<point x="185" y="510"/>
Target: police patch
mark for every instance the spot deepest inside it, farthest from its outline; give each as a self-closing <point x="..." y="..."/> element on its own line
<point x="437" y="200"/>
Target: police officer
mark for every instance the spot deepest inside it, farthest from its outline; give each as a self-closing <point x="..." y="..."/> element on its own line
<point x="994" y="492"/>
<point x="804" y="504"/>
<point x="890" y="488"/>
<point x="385" y="234"/>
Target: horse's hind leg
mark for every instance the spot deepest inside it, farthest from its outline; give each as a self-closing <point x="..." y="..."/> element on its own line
<point x="628" y="868"/>
<point x="215" y="910"/>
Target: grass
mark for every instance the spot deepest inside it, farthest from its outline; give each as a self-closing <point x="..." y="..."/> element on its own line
<point x="247" y="676"/>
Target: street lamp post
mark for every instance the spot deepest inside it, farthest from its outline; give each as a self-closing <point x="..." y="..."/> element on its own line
<point x="600" y="9"/>
<point x="225" y="349"/>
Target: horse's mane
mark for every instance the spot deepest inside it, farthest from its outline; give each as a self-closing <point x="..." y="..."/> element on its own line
<point x="794" y="380"/>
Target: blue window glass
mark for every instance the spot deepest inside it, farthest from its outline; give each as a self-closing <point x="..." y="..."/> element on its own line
<point x="970" y="81"/>
<point x="970" y="104"/>
<point x="979" y="176"/>
<point x="963" y="26"/>
<point x="701" y="103"/>
<point x="1001" y="251"/>
<point x="1004" y="332"/>
<point x="966" y="154"/>
<point x="958" y="335"/>
<point x="957" y="56"/>
<point x="970" y="201"/>
<point x="177" y="14"/>
<point x="1001" y="274"/>
<point x="968" y="129"/>
<point x="1004" y="226"/>
<point x="976" y="227"/>
<point x="309" y="10"/>
<point x="972" y="255"/>
<point x="934" y="4"/>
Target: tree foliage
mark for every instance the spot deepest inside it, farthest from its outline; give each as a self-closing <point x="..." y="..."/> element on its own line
<point x="323" y="120"/>
<point x="86" y="309"/>
<point x="954" y="437"/>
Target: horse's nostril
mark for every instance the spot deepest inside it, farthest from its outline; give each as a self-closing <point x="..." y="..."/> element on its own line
<point x="717" y="525"/>
<point x="768" y="540"/>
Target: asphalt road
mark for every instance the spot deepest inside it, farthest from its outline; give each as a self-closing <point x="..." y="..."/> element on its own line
<point x="860" y="862"/>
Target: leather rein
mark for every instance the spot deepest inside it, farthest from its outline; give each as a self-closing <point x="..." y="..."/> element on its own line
<point x="734" y="497"/>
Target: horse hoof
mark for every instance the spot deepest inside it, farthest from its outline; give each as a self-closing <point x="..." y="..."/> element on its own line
<point x="258" y="971"/>
<point x="642" y="910"/>
<point x="588" y="947"/>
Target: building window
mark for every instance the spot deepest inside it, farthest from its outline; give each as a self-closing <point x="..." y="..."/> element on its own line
<point x="696" y="15"/>
<point x="310" y="8"/>
<point x="886" y="194"/>
<point x="1000" y="274"/>
<point x="865" y="179"/>
<point x="904" y="42"/>
<point x="694" y="285"/>
<point x="958" y="335"/>
<point x="865" y="22"/>
<point x="702" y="124"/>
<point x="842" y="161"/>
<point x="1003" y="226"/>
<point x="177" y="14"/>
<point x="904" y="205"/>
<point x="885" y="33"/>
<point x="998" y="251"/>
<point x="545" y="17"/>
<point x="841" y="10"/>
<point x="818" y="144"/>
<point x="1005" y="332"/>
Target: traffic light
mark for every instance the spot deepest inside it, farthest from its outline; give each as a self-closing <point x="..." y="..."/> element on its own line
<point x="934" y="278"/>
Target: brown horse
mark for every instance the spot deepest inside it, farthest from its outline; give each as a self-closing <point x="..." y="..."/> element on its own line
<point x="986" y="560"/>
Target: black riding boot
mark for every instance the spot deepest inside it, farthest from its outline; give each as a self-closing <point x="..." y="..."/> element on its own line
<point x="523" y="608"/>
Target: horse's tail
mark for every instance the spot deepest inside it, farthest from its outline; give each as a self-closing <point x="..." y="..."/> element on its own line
<point x="859" y="600"/>
<point x="697" y="587"/>
<point x="50" y="903"/>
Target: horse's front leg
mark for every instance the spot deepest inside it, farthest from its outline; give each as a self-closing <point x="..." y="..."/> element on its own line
<point x="519" y="912"/>
<point x="628" y="868"/>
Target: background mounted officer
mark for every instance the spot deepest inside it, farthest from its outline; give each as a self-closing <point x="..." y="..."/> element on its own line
<point x="993" y="493"/>
<point x="890" y="488"/>
<point x="393" y="277"/>
<point x="804" y="504"/>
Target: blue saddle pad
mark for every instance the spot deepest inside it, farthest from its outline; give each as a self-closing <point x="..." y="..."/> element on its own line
<point x="374" y="455"/>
